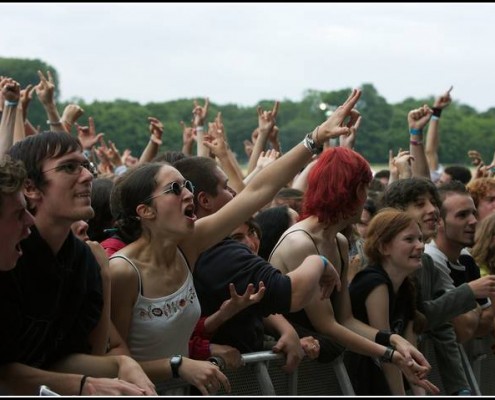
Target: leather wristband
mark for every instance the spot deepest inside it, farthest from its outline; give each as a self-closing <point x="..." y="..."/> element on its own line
<point x="383" y="338"/>
<point x="437" y="112"/>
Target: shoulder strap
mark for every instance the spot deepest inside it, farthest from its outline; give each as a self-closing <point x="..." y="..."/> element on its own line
<point x="140" y="283"/>
<point x="287" y="234"/>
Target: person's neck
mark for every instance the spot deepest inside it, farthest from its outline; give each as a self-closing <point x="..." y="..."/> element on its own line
<point x="451" y="250"/>
<point x="395" y="274"/>
<point x="54" y="233"/>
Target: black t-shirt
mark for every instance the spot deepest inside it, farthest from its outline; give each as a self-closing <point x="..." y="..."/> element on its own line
<point x="49" y="303"/>
<point x="232" y="261"/>
<point x="365" y="373"/>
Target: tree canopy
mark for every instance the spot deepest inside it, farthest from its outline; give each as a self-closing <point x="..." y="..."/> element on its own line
<point x="384" y="126"/>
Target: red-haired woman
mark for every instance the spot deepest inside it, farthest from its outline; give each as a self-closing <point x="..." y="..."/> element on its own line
<point x="335" y="196"/>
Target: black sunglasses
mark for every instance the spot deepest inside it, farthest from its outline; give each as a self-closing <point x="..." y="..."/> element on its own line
<point x="175" y="188"/>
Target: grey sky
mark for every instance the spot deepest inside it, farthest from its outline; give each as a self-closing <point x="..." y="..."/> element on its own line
<point x="242" y="53"/>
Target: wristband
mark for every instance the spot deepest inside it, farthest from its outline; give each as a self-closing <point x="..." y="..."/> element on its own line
<point x="120" y="169"/>
<point x="416" y="142"/>
<point x="434" y="118"/>
<point x="388" y="355"/>
<point x="437" y="112"/>
<point x="325" y="262"/>
<point x="383" y="338"/>
<point x="414" y="131"/>
<point x="9" y="103"/>
<point x="199" y="129"/>
<point x="313" y="147"/>
<point x="81" y="386"/>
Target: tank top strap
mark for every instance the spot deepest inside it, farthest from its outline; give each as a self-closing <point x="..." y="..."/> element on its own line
<point x="140" y="283"/>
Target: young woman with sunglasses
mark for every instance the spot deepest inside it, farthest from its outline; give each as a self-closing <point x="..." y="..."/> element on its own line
<point x="154" y="303"/>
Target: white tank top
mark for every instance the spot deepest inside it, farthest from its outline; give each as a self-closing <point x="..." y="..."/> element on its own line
<point x="162" y="327"/>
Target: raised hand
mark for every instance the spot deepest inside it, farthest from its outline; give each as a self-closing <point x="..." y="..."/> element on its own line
<point x="87" y="134"/>
<point x="26" y="97"/>
<point x="156" y="130"/>
<point x="267" y="119"/>
<point x="46" y="88"/>
<point x="444" y="100"/>
<point x="353" y="124"/>
<point x="335" y="125"/>
<point x="238" y="302"/>
<point x="72" y="112"/>
<point x="419" y="117"/>
<point x="200" y="113"/>
<point x="475" y="157"/>
<point x="11" y="90"/>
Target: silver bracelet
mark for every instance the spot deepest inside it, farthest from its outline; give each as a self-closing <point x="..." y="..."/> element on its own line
<point x="311" y="145"/>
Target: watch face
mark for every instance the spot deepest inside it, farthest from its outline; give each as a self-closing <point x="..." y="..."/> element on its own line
<point x="176" y="359"/>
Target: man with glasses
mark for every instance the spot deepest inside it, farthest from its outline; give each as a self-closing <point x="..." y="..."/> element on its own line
<point x="58" y="291"/>
<point x="34" y="333"/>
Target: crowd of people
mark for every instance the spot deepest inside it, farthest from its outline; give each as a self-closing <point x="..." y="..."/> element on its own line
<point x="119" y="275"/>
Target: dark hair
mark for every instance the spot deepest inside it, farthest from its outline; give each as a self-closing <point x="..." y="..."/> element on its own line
<point x="12" y="176"/>
<point x="35" y="149"/>
<point x="400" y="194"/>
<point x="459" y="173"/>
<point x="289" y="196"/>
<point x="451" y="187"/>
<point x="333" y="183"/>
<point x="131" y="189"/>
<point x="201" y="172"/>
<point x="273" y="221"/>
<point x="169" y="156"/>
<point x="383" y="173"/>
<point x="100" y="201"/>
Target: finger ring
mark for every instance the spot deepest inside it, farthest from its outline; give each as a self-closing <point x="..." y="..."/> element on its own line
<point x="209" y="385"/>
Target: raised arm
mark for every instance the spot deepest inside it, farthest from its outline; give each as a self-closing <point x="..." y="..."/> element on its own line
<point x="417" y="119"/>
<point x="45" y="91"/>
<point x="266" y="122"/>
<point x="151" y="149"/>
<point x="433" y="136"/>
<point x="199" y="118"/>
<point x="216" y="143"/>
<point x="209" y="230"/>
<point x="10" y="90"/>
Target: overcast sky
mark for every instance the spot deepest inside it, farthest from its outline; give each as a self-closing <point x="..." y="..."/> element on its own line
<point x="242" y="53"/>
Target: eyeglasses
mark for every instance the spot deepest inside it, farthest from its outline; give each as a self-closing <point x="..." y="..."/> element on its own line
<point x="175" y="188"/>
<point x="74" y="167"/>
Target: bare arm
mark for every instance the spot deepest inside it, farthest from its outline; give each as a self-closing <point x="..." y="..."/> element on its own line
<point x="10" y="92"/>
<point x="151" y="149"/>
<point x="417" y="119"/>
<point x="45" y="91"/>
<point x="209" y="230"/>
<point x="433" y="136"/>
<point x="266" y="122"/>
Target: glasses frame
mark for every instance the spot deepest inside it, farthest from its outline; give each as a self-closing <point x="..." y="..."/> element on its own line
<point x="86" y="164"/>
<point x="174" y="187"/>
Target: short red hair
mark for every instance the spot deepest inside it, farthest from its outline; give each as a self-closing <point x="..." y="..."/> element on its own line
<point x="331" y="194"/>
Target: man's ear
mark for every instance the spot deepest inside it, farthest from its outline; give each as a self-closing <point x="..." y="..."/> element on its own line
<point x="31" y="192"/>
<point x="204" y="201"/>
<point x="145" y="211"/>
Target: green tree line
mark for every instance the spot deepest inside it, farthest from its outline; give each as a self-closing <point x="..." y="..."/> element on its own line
<point x="384" y="125"/>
